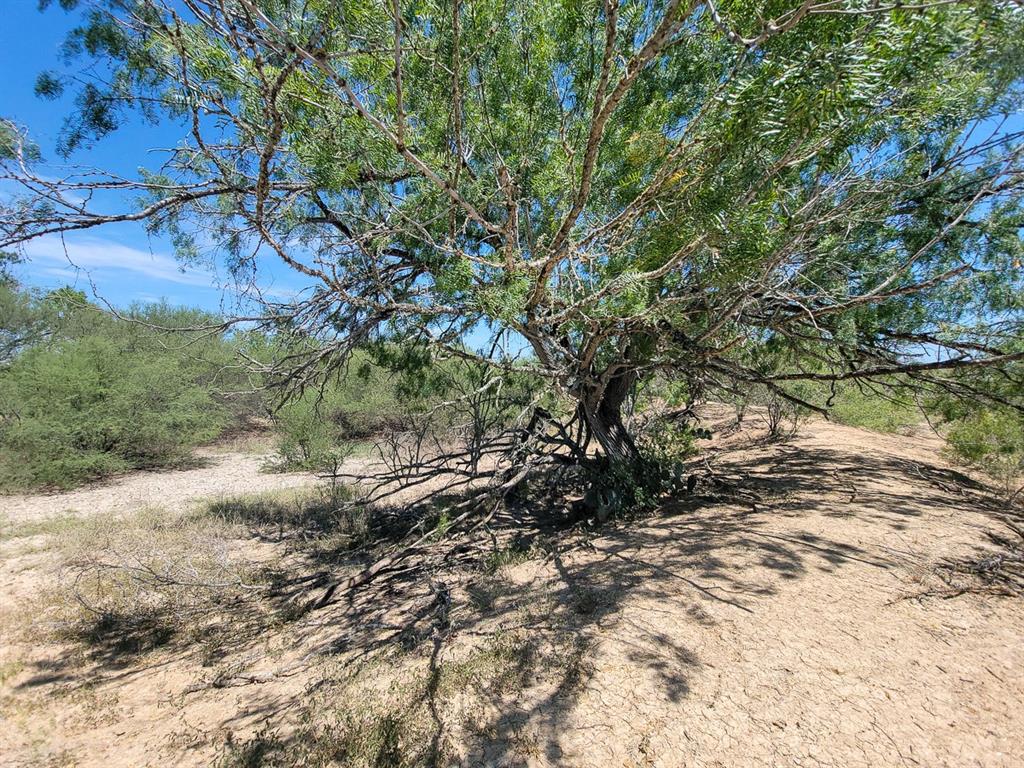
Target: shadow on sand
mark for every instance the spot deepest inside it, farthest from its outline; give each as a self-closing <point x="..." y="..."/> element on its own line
<point x="703" y="556"/>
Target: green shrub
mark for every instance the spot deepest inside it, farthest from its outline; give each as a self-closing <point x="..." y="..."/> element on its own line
<point x="24" y="318"/>
<point x="102" y="395"/>
<point x="991" y="440"/>
<point x="383" y="389"/>
<point x="623" y="489"/>
<point x="875" y="407"/>
<point x="315" y="431"/>
<point x="868" y="410"/>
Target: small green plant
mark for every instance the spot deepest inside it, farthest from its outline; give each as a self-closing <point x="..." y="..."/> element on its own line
<point x="443" y="524"/>
<point x="620" y="489"/>
<point x="319" y="429"/>
<point x="509" y="556"/>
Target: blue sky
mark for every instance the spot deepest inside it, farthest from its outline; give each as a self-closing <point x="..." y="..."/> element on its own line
<point x="121" y="263"/>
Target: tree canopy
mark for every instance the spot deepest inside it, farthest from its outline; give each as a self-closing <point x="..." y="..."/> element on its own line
<point x="729" y="193"/>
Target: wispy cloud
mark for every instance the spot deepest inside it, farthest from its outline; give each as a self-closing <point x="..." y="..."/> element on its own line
<point x="122" y="274"/>
<point x="55" y="257"/>
<point x="64" y="273"/>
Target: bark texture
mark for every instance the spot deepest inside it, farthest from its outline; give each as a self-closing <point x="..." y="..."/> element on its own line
<point x="603" y="413"/>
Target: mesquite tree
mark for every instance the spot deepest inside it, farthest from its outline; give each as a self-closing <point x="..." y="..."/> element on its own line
<point x="733" y="193"/>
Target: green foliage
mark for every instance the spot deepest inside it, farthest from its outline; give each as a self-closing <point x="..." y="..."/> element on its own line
<point x="624" y="488"/>
<point x="13" y="143"/>
<point x="885" y="406"/>
<point x="24" y="319"/>
<point x="725" y="192"/>
<point x="993" y="441"/>
<point x="989" y="436"/>
<point x="102" y="395"/>
<point x="877" y="411"/>
<point x="670" y="442"/>
<point x="7" y="260"/>
<point x="316" y="430"/>
<point x="384" y="388"/>
<point x="507" y="557"/>
<point x="48" y="85"/>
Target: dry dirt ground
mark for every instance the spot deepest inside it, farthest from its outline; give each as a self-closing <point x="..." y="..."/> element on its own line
<point x="220" y="473"/>
<point x="796" y="619"/>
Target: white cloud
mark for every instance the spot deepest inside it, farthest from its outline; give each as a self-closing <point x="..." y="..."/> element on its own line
<point x="61" y="272"/>
<point x="55" y="257"/>
<point x="124" y="274"/>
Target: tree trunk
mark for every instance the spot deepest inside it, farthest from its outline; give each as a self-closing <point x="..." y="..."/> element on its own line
<point x="604" y="416"/>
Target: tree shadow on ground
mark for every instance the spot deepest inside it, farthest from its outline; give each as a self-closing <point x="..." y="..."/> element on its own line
<point x="461" y="620"/>
<point x="701" y="555"/>
<point x="884" y="487"/>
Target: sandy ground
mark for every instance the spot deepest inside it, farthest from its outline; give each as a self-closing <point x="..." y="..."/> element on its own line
<point x="790" y="627"/>
<point x="221" y="474"/>
<point x="781" y="634"/>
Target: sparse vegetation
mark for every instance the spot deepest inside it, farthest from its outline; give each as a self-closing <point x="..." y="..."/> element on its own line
<point x="993" y="441"/>
<point x="132" y="586"/>
<point x="879" y="410"/>
<point x="318" y="429"/>
<point x="510" y="555"/>
<point x="989" y="438"/>
<point x="321" y="520"/>
<point x="188" y="585"/>
<point x="408" y="724"/>
<point x="420" y="669"/>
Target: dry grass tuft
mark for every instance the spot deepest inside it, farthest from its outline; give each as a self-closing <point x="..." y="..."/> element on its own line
<point x="129" y="586"/>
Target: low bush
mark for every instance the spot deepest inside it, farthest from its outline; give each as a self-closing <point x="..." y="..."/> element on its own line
<point x="879" y="412"/>
<point x="385" y="390"/>
<point x="315" y="431"/>
<point x="993" y="441"/>
<point x="102" y="395"/>
<point x="624" y="489"/>
<point x="880" y="409"/>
